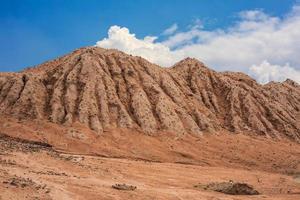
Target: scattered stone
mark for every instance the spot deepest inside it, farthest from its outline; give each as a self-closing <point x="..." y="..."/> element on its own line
<point x="74" y="159"/>
<point x="51" y="173"/>
<point x="19" y="182"/>
<point x="10" y="144"/>
<point x="124" y="187"/>
<point x="232" y="188"/>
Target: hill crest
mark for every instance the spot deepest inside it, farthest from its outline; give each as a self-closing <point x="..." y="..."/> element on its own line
<point x="109" y="89"/>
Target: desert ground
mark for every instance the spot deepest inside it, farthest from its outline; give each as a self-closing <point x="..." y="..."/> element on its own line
<point x="34" y="165"/>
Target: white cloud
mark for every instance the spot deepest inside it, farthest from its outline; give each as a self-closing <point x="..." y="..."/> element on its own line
<point x="254" y="38"/>
<point x="170" y="30"/>
<point x="254" y="15"/>
<point x="266" y="72"/>
<point x="122" y="39"/>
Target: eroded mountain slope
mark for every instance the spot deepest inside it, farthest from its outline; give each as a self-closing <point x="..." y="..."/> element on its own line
<point x="107" y="89"/>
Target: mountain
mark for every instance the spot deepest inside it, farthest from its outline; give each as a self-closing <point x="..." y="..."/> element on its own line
<point x="79" y="126"/>
<point x="105" y="89"/>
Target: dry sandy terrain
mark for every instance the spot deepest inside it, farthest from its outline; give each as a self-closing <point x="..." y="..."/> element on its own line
<point x="49" y="175"/>
<point x="38" y="171"/>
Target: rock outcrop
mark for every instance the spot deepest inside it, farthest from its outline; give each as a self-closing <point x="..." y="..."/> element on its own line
<point x="107" y="89"/>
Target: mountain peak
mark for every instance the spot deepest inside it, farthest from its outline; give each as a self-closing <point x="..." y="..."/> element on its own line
<point x="106" y="88"/>
<point x="189" y="61"/>
<point x="291" y="82"/>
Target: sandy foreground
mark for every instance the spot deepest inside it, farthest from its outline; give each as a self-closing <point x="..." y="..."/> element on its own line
<point x="31" y="170"/>
<point x="49" y="175"/>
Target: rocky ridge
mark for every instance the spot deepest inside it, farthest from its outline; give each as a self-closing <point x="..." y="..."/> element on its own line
<point x="109" y="89"/>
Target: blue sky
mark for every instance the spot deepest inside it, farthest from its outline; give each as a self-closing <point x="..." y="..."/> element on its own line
<point x="33" y="31"/>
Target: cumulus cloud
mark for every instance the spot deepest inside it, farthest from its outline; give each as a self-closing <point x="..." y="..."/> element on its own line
<point x="170" y="30"/>
<point x="250" y="45"/>
<point x="266" y="72"/>
<point x="120" y="38"/>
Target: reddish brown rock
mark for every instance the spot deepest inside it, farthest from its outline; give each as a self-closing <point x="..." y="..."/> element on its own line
<point x="108" y="89"/>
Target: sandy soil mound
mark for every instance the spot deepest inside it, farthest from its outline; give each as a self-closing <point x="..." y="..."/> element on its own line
<point x="105" y="89"/>
<point x="231" y="188"/>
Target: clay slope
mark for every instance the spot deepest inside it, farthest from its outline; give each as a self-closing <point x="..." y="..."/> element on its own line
<point x="107" y="89"/>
